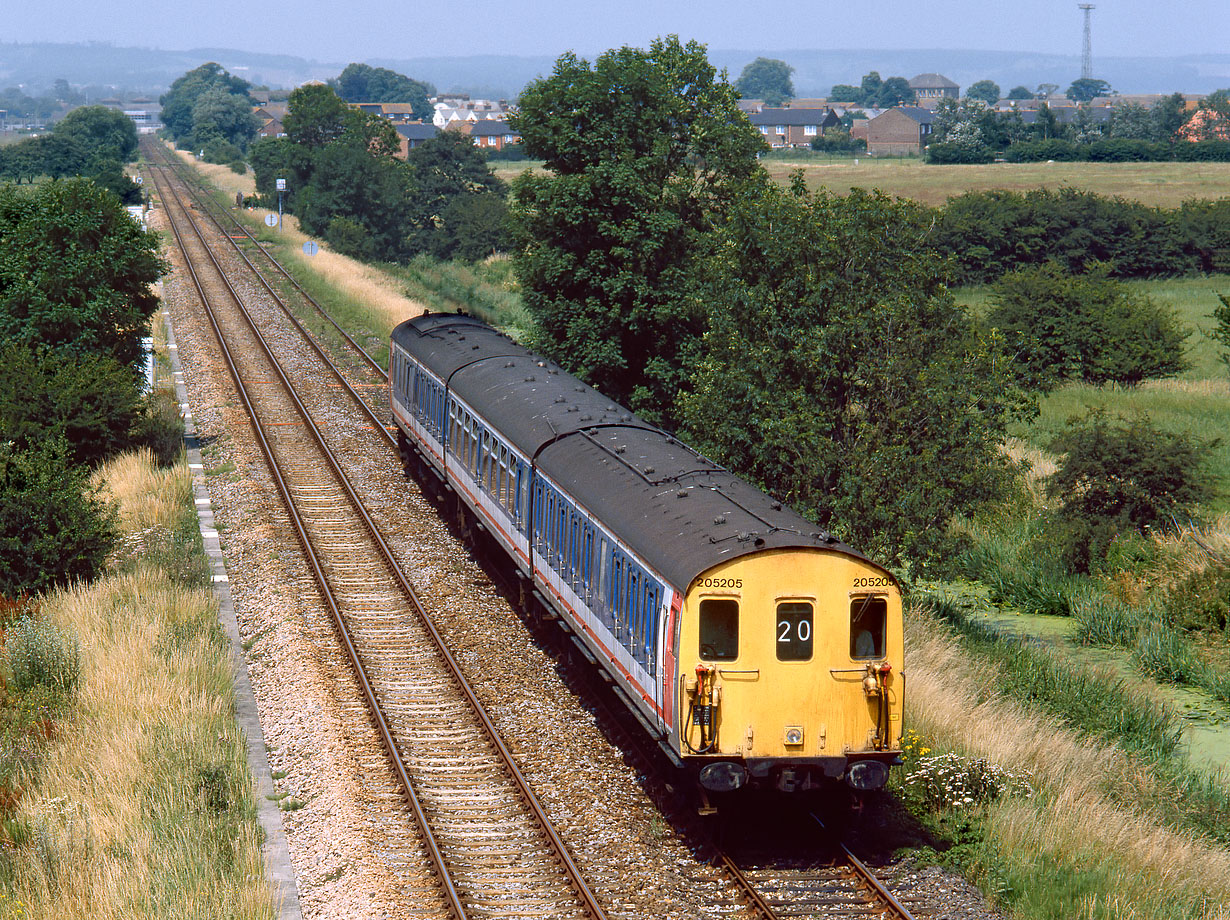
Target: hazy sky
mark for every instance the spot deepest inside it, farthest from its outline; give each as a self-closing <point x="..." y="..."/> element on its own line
<point x="366" y="29"/>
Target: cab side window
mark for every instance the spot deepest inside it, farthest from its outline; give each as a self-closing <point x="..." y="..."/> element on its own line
<point x="868" y="616"/>
<point x="719" y="630"/>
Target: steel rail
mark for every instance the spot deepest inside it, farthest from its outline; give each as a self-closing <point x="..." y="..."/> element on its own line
<point x="364" y="407"/>
<point x="886" y="897"/>
<point x="538" y="813"/>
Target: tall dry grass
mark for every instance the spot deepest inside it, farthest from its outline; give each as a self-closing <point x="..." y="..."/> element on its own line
<point x="1076" y="831"/>
<point x="145" y="806"/>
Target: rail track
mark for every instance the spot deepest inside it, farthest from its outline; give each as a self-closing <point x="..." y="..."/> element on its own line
<point x="835" y="885"/>
<point x="473" y="806"/>
<point x="492" y="846"/>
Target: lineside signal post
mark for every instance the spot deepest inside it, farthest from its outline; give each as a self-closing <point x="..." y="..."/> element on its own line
<point x="281" y="191"/>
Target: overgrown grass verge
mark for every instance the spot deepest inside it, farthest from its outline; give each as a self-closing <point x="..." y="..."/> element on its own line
<point x="365" y="300"/>
<point x="144" y="805"/>
<point x="1156" y="596"/>
<point x="1097" y="836"/>
<point x="1151" y="776"/>
<point x="487" y="289"/>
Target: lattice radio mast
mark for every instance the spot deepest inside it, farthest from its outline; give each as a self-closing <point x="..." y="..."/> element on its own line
<point x="1087" y="54"/>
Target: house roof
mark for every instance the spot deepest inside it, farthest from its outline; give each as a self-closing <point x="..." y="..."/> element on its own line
<point x="932" y="81"/>
<point x="792" y="116"/>
<point x="417" y="132"/>
<point x="1066" y="115"/>
<point x="920" y="115"/>
<point x="491" y="126"/>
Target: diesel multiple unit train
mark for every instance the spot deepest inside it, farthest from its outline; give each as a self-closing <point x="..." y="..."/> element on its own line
<point x="756" y="648"/>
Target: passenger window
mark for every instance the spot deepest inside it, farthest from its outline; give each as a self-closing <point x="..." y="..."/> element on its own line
<point x="719" y="630"/>
<point x="794" y="631"/>
<point x="868" y="619"/>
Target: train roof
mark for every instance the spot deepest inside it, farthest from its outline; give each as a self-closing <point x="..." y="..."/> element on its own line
<point x="679" y="510"/>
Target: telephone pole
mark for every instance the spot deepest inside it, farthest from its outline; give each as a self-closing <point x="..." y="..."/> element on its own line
<point x="1087" y="55"/>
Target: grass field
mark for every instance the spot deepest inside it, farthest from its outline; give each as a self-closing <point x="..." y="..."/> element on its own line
<point x="1160" y="184"/>
<point x="1198" y="401"/>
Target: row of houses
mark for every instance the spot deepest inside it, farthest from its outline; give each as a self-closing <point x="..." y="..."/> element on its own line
<point x="482" y="120"/>
<point x="898" y="131"/>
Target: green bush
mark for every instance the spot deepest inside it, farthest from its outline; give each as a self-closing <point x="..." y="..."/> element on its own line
<point x="945" y="154"/>
<point x="90" y="401"/>
<point x="1086" y="327"/>
<point x="1201" y="602"/>
<point x="221" y="152"/>
<point x="1120" y="478"/>
<point x="1040" y="151"/>
<point x="54" y="528"/>
<point x="160" y="427"/>
<point x="40" y="654"/>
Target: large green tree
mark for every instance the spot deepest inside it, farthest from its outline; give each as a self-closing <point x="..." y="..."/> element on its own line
<point x="179" y="114"/>
<point x="227" y="116"/>
<point x="75" y="271"/>
<point x="91" y="141"/>
<point x="986" y="90"/>
<point x="642" y="151"/>
<point x="840" y="374"/>
<point x="1086" y="89"/>
<point x="895" y="91"/>
<point x="315" y="116"/>
<point x="106" y="133"/>
<point x="364" y="83"/>
<point x="767" y="79"/>
<point x="455" y="196"/>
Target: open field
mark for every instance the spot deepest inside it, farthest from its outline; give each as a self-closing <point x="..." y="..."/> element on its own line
<point x="1195" y="402"/>
<point x="1159" y="184"/>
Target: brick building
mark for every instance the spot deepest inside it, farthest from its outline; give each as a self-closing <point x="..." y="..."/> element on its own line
<point x="793" y="127"/>
<point x="903" y="131"/>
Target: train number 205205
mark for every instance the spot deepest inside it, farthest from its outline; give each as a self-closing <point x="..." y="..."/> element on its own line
<point x="721" y="583"/>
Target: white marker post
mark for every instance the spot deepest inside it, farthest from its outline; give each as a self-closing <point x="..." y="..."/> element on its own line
<point x="281" y="189"/>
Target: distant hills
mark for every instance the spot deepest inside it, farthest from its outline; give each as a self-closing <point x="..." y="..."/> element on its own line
<point x="151" y="70"/>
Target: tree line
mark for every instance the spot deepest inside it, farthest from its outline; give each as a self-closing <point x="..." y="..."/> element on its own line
<point x="969" y="130"/>
<point x="75" y="304"/>
<point x="810" y="341"/>
<point x="91" y="141"/>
